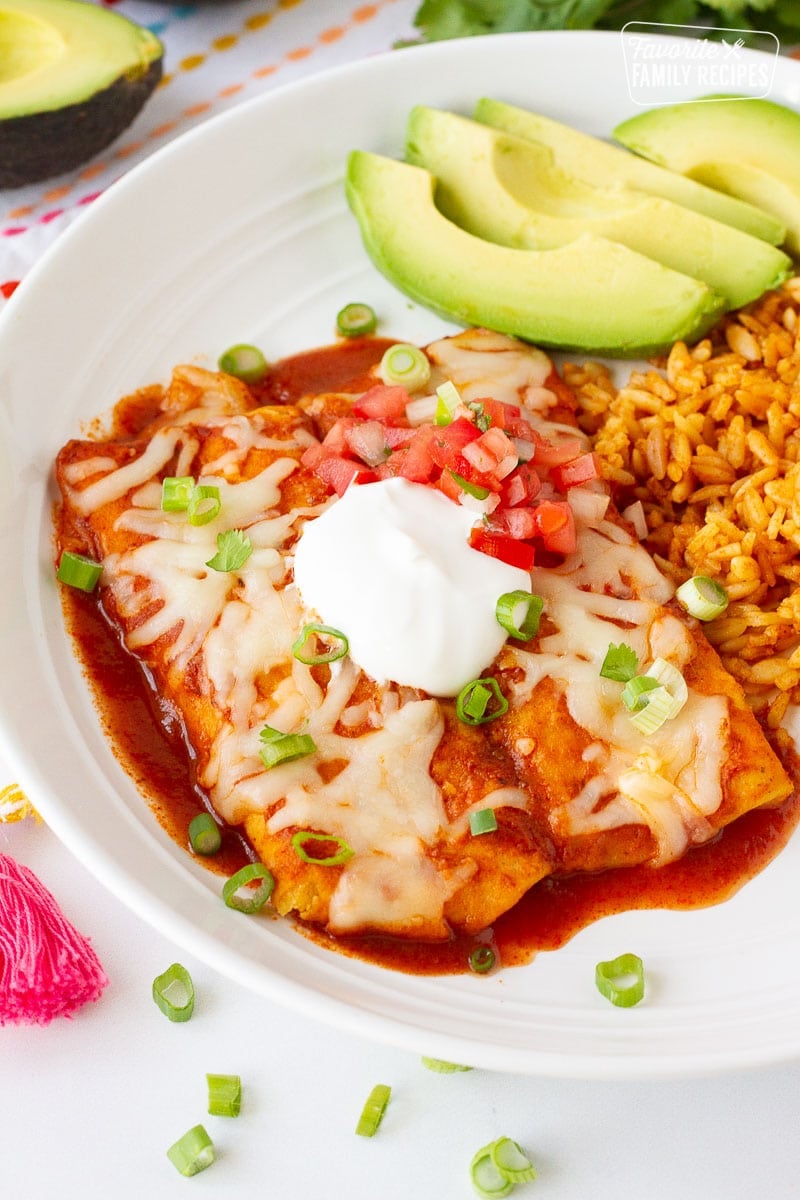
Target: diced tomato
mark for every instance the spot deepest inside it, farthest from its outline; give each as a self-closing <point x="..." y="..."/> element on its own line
<point x="450" y="440"/>
<point x="500" y="545"/>
<point x="398" y="435"/>
<point x="382" y="402"/>
<point x="313" y="456"/>
<point x="519" y="523"/>
<point x="367" y="440"/>
<point x="339" y="472"/>
<point x="508" y="417"/>
<point x="418" y="464"/>
<point x="556" y="526"/>
<point x="575" y="472"/>
<point x="522" y="486"/>
<point x="552" y="454"/>
<point x="493" y="453"/>
<point x="449" y="485"/>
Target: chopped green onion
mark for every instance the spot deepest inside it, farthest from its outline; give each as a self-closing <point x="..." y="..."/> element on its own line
<point x="256" y="899"/>
<point x="244" y="362"/>
<point x="356" y="320"/>
<point x="487" y="1180"/>
<point x="669" y="676"/>
<point x="284" y="747"/>
<point x="193" y="1152"/>
<point x="176" y="491"/>
<point x="472" y="489"/>
<point x="481" y="960"/>
<point x="179" y="1005"/>
<point x="204" y="834"/>
<point x="204" y="504"/>
<point x="373" y="1110"/>
<point x="482" y="821"/>
<point x="448" y="398"/>
<point x="659" y="707"/>
<point x="511" y="1161"/>
<point x="620" y="663"/>
<point x="79" y="571"/>
<point x="634" y="694"/>
<point x="342" y="855"/>
<point x="224" y="1095"/>
<point x="506" y="613"/>
<point x="326" y="656"/>
<point x="621" y="980"/>
<point x="406" y="365"/>
<point x="441" y="1067"/>
<point x="703" y="597"/>
<point x="472" y="702"/>
<point x="233" y="550"/>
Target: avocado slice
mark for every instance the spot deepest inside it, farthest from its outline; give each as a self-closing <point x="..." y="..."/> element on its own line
<point x="72" y="77"/>
<point x="592" y="295"/>
<point x="600" y="163"/>
<point x="745" y="147"/>
<point x="509" y="191"/>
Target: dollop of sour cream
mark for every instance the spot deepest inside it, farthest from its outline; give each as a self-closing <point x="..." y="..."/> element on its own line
<point x="390" y="566"/>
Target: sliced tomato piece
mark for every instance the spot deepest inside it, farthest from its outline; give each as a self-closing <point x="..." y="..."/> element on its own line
<point x="575" y="472"/>
<point x="552" y="454"/>
<point x="522" y="486"/>
<point x="450" y="440"/>
<point x="339" y="472"/>
<point x="398" y="435"/>
<point x="418" y="464"/>
<point x="507" y="417"/>
<point x="556" y="526"/>
<point x="383" y="402"/>
<point x="493" y="453"/>
<point x="500" y="545"/>
<point x="448" y="484"/>
<point x="518" y="523"/>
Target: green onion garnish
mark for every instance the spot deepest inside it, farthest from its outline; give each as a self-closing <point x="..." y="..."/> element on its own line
<point x="472" y="489"/>
<point x="224" y="1095"/>
<point x="204" y="504"/>
<point x="481" y="960"/>
<point x="621" y="980"/>
<point x="356" y="320"/>
<point x="508" y="609"/>
<point x="256" y="899"/>
<point x="173" y="992"/>
<point x="343" y="853"/>
<point x="406" y="365"/>
<point x="245" y="362"/>
<point x="703" y="597"/>
<point x="193" y="1152"/>
<point x="204" y="834"/>
<point x="486" y="1179"/>
<point x="634" y="694"/>
<point x="659" y="707"/>
<point x="79" y="571"/>
<point x="482" y="821"/>
<point x="284" y="747"/>
<point x="338" y="650"/>
<point x="620" y="663"/>
<point x="176" y="491"/>
<point x="373" y="1110"/>
<point x="448" y="398"/>
<point x="511" y="1161"/>
<point x="233" y="550"/>
<point x="441" y="1067"/>
<point x="472" y="702"/>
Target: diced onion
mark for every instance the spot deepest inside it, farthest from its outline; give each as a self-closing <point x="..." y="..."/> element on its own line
<point x="621" y="980"/>
<point x="193" y="1152"/>
<point x="703" y="597"/>
<point x="636" y="515"/>
<point x="406" y="365"/>
<point x="589" y="507"/>
<point x="173" y="992"/>
<point x="422" y="410"/>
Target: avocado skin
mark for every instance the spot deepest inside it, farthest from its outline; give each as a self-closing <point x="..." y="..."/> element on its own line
<point x="41" y="145"/>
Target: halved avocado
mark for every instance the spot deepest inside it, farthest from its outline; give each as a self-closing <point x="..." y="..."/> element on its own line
<point x="508" y="190"/>
<point x="600" y="163"/>
<point x="746" y="147"/>
<point x="591" y="295"/>
<point x="72" y="77"/>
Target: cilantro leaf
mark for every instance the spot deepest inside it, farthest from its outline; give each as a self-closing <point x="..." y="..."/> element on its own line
<point x="233" y="550"/>
<point x="620" y="663"/>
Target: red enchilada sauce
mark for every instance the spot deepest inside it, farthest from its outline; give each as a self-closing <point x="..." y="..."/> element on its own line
<point x="147" y="737"/>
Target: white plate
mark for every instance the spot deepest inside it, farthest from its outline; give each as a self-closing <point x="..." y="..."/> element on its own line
<point x="239" y="232"/>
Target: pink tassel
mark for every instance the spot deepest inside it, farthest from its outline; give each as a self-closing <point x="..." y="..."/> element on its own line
<point x="47" y="969"/>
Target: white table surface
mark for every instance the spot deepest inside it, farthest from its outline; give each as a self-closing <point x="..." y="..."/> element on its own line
<point x="88" y="1106"/>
